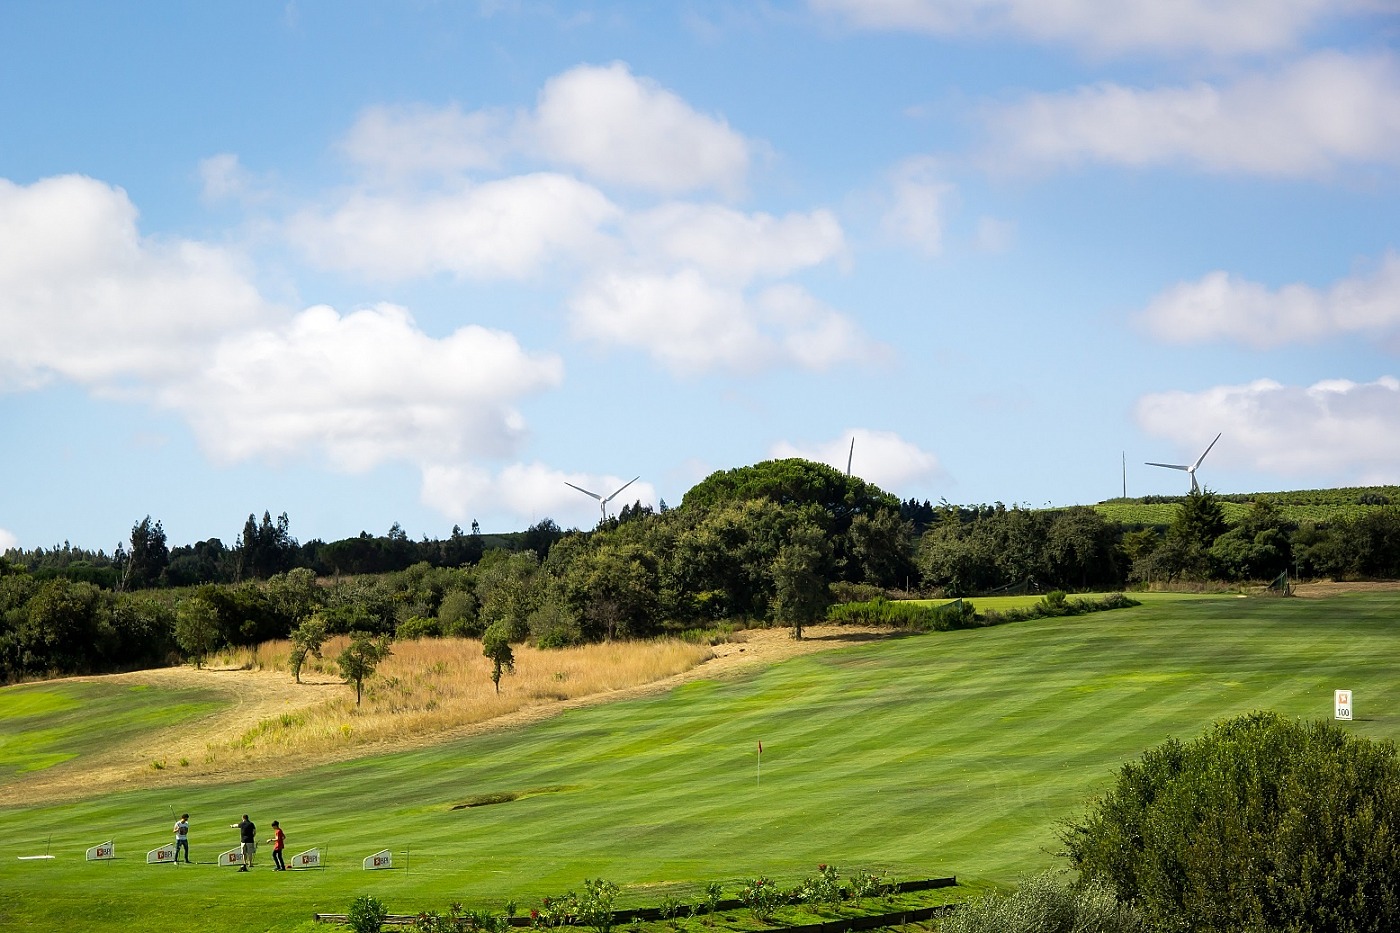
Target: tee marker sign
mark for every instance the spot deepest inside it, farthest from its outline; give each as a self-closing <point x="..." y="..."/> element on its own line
<point x="381" y="859"/>
<point x="163" y="855"/>
<point x="100" y="853"/>
<point x="1343" y="698"/>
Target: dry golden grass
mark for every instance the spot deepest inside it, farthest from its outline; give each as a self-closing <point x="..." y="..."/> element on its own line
<point x="435" y="685"/>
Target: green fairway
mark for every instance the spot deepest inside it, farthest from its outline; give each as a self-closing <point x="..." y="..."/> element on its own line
<point x="950" y="753"/>
<point x="42" y="725"/>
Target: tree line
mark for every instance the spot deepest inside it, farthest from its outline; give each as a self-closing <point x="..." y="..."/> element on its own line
<point x="774" y="542"/>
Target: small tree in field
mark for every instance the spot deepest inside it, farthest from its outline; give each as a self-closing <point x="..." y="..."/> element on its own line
<point x="360" y="658"/>
<point x="1261" y="824"/>
<point x="307" y="638"/>
<point x="495" y="645"/>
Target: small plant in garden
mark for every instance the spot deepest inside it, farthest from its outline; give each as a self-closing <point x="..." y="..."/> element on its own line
<point x="552" y="912"/>
<point x="762" y="896"/>
<point x="366" y="914"/>
<point x="669" y="910"/>
<point x="459" y="920"/>
<point x="822" y="888"/>
<point x="595" y="905"/>
<point x="866" y="884"/>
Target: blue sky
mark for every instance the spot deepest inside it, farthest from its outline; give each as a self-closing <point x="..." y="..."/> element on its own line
<point x="420" y="262"/>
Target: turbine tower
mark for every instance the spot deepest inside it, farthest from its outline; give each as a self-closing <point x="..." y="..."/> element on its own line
<point x="602" y="501"/>
<point x="1190" y="470"/>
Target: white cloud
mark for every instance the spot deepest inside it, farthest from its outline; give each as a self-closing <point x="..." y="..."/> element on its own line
<point x="401" y="142"/>
<point x="1335" y="431"/>
<point x="734" y="246"/>
<point x="362" y="389"/>
<point x="918" y="198"/>
<point x="1312" y="118"/>
<point x="529" y="492"/>
<point x="1221" y="306"/>
<point x="7" y="540"/>
<point x="509" y="228"/>
<point x="880" y="457"/>
<point x="224" y="178"/>
<point x="630" y="131"/>
<point x="1220" y="27"/>
<point x="84" y="297"/>
<point x="690" y="323"/>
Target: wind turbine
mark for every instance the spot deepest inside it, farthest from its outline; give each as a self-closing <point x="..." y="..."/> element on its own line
<point x="603" y="502"/>
<point x="1190" y="470"/>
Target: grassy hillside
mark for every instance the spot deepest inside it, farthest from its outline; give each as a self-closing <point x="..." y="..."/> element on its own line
<point x="954" y="753"/>
<point x="1300" y="505"/>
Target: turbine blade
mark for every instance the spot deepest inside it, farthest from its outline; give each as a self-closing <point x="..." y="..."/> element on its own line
<point x="624" y="486"/>
<point x="584" y="491"/>
<point x="1172" y="466"/>
<point x="1203" y="456"/>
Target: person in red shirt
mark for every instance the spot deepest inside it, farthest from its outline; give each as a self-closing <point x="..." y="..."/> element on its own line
<point x="278" y="840"/>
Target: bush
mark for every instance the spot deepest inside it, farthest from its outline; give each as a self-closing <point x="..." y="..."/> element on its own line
<point x="415" y="627"/>
<point x="366" y="914"/>
<point x="1261" y="824"/>
<point x="1042" y="906"/>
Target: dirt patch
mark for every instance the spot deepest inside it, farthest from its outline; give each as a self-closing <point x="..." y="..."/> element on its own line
<point x="256" y="696"/>
<point x="1325" y="588"/>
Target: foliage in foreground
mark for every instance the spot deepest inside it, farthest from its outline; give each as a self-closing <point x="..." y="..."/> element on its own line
<point x="1262" y="824"/>
<point x="1040" y="905"/>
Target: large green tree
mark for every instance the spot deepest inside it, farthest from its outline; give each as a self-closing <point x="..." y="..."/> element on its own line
<point x="1262" y="824"/>
<point x="794" y="481"/>
<point x="148" y="557"/>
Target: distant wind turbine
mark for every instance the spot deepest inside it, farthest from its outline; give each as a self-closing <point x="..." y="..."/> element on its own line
<point x="603" y="502"/>
<point x="1190" y="470"/>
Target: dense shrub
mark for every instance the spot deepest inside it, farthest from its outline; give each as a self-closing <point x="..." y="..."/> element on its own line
<point x="1262" y="824"/>
<point x="913" y="616"/>
<point x="1040" y="905"/>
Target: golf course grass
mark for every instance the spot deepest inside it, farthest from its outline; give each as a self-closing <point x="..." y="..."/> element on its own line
<point x="953" y="753"/>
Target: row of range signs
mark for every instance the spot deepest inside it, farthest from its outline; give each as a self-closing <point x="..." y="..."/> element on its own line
<point x="311" y="858"/>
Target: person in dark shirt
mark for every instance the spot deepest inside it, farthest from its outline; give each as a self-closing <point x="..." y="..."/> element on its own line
<point x="248" y="833"/>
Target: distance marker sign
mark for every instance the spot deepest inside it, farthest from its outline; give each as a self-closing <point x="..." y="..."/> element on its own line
<point x="1344" y="710"/>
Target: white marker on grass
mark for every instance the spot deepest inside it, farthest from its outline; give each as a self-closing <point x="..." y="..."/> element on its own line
<point x="1343" y="702"/>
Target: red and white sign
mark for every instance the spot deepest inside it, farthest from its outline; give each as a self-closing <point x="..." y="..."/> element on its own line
<point x="1344" y="710"/>
<point x="311" y="858"/>
<point x="163" y="855"/>
<point x="233" y="856"/>
<point x="381" y="859"/>
<point x="99" y="853"/>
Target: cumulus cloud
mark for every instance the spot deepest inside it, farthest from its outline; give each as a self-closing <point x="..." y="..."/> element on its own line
<point x="1334" y="431"/>
<point x="508" y="228"/>
<point x="1310" y="118"/>
<point x="611" y="125"/>
<point x="529" y="491"/>
<point x="362" y="389"/>
<point x="84" y="297"/>
<point x="1222" y="27"/>
<point x="690" y="323"/>
<point x="7" y="540"/>
<point x="880" y="457"/>
<point x="630" y="131"/>
<point x="1220" y="306"/>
